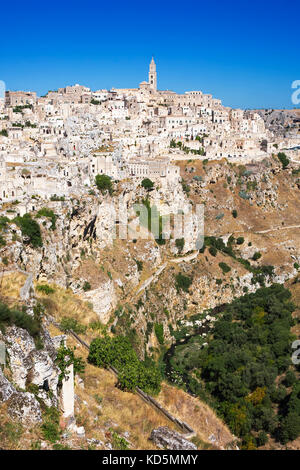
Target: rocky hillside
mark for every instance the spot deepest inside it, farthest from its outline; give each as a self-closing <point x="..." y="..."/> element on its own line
<point x="139" y="287"/>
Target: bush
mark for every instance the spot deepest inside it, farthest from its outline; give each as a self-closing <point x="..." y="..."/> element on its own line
<point x="225" y="268"/>
<point x="45" y="289"/>
<point x="70" y="324"/>
<point x="104" y="183"/>
<point x="65" y="357"/>
<point x="118" y="352"/>
<point x="179" y="242"/>
<point x="118" y="442"/>
<point x="21" y="319"/>
<point x="2" y="241"/>
<point x="240" y="240"/>
<point x="159" y="331"/>
<point x="234" y="213"/>
<point x="213" y="250"/>
<point x="30" y="229"/>
<point x="283" y="159"/>
<point x="139" y="265"/>
<point x="290" y="378"/>
<point x="256" y="256"/>
<point x="182" y="282"/>
<point x="147" y="184"/>
<point x="261" y="439"/>
<point x="45" y="212"/>
<point x="86" y="286"/>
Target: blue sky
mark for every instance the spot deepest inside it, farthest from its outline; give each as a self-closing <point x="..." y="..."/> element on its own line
<point x="244" y="52"/>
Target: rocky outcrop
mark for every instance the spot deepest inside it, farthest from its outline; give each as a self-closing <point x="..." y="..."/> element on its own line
<point x="21" y="406"/>
<point x="103" y="299"/>
<point x="6" y="388"/>
<point x="24" y="407"/>
<point x="166" y="438"/>
<point x="29" y="365"/>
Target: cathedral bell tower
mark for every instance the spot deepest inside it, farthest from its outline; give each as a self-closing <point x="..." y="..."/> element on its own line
<point x="152" y="76"/>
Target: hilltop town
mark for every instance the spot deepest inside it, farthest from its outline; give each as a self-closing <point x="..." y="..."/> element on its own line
<point x="53" y="146"/>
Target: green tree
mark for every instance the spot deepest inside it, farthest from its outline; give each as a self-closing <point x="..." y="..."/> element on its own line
<point x="104" y="183"/>
<point x="30" y="230"/>
<point x="147" y="184"/>
<point x="283" y="159"/>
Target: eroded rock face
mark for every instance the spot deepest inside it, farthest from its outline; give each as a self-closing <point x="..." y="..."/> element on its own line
<point x="19" y="345"/>
<point x="166" y="438"/>
<point x="6" y="388"/>
<point x="24" y="407"/>
<point x="28" y="365"/>
<point x="103" y="299"/>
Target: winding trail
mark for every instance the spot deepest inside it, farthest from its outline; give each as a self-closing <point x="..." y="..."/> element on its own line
<point x="160" y="269"/>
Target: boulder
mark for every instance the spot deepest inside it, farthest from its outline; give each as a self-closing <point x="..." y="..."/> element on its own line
<point x="6" y="388"/>
<point x="166" y="438"/>
<point x="24" y="407"/>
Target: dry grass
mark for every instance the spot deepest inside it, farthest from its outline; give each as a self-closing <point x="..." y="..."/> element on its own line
<point x="119" y="410"/>
<point x="10" y="285"/>
<point x="195" y="413"/>
<point x="64" y="303"/>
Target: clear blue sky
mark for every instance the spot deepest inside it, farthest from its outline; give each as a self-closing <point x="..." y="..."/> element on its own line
<point x="243" y="52"/>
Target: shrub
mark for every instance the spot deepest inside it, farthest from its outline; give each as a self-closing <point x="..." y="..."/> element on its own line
<point x="147" y="184"/>
<point x="45" y="289"/>
<point x="234" y="213"/>
<point x="4" y="221"/>
<point x="104" y="183"/>
<point x="256" y="256"/>
<point x="65" y="357"/>
<point x="290" y="378"/>
<point x="30" y="229"/>
<point x="185" y="187"/>
<point x="179" y="242"/>
<point x="118" y="352"/>
<point x="118" y="442"/>
<point x="283" y="159"/>
<point x="159" y="331"/>
<point x="213" y="250"/>
<point x="261" y="439"/>
<point x="139" y="265"/>
<point x="182" y="282"/>
<point x="70" y="324"/>
<point x="45" y="212"/>
<point x="19" y="318"/>
<point x="86" y="286"/>
<point x="57" y="198"/>
<point x="225" y="268"/>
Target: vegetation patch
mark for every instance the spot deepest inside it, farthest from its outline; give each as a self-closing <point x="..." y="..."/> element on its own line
<point x="245" y="369"/>
<point x="30" y="230"/>
<point x="118" y="352"/>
